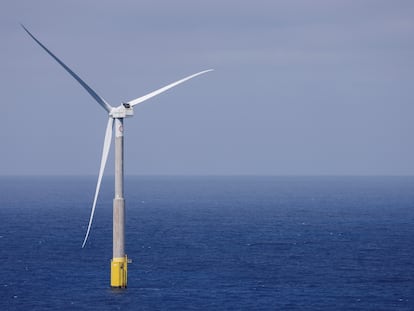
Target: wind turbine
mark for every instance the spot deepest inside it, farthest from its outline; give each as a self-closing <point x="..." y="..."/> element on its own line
<point x="116" y="115"/>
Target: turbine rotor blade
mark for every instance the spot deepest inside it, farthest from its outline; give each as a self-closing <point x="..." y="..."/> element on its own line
<point x="105" y="152"/>
<point x="98" y="98"/>
<point x="165" y="88"/>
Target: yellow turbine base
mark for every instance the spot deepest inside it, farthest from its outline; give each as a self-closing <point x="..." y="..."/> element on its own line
<point x="119" y="272"/>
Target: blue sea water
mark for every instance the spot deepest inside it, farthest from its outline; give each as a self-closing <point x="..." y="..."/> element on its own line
<point x="211" y="243"/>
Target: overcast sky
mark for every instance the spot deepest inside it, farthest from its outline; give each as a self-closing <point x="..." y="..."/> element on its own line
<point x="299" y="87"/>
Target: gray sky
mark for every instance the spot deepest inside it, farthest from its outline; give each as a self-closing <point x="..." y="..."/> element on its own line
<point x="300" y="87"/>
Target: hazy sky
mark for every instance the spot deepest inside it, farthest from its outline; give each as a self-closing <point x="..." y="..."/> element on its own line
<point x="299" y="87"/>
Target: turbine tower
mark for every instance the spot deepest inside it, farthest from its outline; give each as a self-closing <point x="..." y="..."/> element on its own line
<point x="119" y="262"/>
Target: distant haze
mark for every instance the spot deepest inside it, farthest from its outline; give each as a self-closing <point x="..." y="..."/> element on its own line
<point x="299" y="88"/>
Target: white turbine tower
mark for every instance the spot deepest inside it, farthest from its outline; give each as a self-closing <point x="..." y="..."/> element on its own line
<point x="116" y="115"/>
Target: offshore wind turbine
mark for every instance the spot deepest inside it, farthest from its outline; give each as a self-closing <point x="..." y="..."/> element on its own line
<point x="119" y="262"/>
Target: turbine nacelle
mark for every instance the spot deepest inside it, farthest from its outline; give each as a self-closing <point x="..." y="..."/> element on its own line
<point x="122" y="111"/>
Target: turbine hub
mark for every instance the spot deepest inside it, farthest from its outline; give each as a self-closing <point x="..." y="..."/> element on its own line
<point x="122" y="111"/>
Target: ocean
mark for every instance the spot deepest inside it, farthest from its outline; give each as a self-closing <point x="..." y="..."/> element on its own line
<point x="210" y="243"/>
